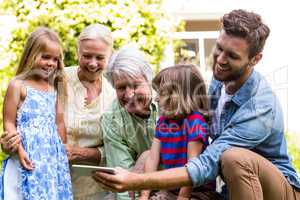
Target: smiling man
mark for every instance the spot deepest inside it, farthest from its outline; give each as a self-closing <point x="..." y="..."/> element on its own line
<point x="249" y="149"/>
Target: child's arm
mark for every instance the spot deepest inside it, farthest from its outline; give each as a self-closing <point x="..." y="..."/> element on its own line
<point x="24" y="160"/>
<point x="11" y="102"/>
<point x="60" y="123"/>
<point x="151" y="164"/>
<point x="194" y="149"/>
<point x="14" y="95"/>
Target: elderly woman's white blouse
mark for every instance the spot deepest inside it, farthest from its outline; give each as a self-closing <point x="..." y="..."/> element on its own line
<point x="83" y="123"/>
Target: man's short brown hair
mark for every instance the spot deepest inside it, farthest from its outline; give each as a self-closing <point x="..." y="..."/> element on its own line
<point x="246" y="25"/>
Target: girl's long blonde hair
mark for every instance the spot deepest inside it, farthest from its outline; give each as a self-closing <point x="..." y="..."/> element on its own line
<point x="35" y="44"/>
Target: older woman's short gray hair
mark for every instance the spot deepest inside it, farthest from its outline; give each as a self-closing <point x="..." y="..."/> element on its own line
<point x="129" y="61"/>
<point x="96" y="31"/>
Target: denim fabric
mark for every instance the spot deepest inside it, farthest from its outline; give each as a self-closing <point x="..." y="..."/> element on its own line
<point x="252" y="119"/>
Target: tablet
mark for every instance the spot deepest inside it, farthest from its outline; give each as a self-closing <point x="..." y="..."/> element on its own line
<point x="86" y="170"/>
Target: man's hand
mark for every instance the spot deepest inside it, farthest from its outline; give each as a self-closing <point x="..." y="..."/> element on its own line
<point x="122" y="181"/>
<point x="10" y="142"/>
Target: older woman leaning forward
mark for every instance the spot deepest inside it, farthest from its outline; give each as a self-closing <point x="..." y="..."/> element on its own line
<point x="88" y="94"/>
<point x="128" y="125"/>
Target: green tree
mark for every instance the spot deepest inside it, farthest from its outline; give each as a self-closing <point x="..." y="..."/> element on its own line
<point x="132" y="21"/>
<point x="140" y="22"/>
<point x="294" y="149"/>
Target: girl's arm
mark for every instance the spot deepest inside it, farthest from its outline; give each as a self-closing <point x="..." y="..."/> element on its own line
<point x="11" y="102"/>
<point x="194" y="149"/>
<point x="151" y="164"/>
<point x="15" y="94"/>
<point x="60" y="123"/>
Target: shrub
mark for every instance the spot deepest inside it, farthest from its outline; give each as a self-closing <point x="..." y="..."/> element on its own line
<point x="294" y="150"/>
<point x="141" y="22"/>
<point x="132" y="21"/>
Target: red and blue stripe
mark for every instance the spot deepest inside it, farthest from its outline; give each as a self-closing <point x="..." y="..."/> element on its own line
<point x="174" y="136"/>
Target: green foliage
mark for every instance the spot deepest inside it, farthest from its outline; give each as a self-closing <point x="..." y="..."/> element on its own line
<point x="294" y="149"/>
<point x="2" y="157"/>
<point x="295" y="153"/>
<point x="140" y="22"/>
<point x="132" y="21"/>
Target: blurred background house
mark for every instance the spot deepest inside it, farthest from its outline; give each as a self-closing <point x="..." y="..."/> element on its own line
<point x="280" y="64"/>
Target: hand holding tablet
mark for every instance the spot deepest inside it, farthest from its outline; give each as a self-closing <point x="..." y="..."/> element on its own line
<point x="86" y="170"/>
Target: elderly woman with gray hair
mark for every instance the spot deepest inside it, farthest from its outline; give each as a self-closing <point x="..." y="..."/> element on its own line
<point x="128" y="125"/>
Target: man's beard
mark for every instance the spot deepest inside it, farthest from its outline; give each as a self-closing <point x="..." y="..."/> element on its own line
<point x="232" y="76"/>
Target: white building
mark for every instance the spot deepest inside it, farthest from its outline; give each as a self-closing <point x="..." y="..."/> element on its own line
<point x="279" y="64"/>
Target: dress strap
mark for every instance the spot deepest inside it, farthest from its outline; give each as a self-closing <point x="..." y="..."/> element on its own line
<point x="23" y="84"/>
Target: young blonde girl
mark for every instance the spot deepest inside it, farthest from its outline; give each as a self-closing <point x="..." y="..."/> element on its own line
<point x="181" y="131"/>
<point x="32" y="106"/>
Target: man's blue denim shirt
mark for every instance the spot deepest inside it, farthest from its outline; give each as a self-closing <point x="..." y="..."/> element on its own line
<point x="253" y="120"/>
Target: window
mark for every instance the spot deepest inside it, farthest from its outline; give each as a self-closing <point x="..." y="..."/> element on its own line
<point x="195" y="45"/>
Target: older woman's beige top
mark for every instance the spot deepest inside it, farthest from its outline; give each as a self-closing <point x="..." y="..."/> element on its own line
<point x="83" y="125"/>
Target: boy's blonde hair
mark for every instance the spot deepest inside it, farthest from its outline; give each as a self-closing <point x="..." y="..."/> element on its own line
<point x="185" y="88"/>
<point x="35" y="44"/>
